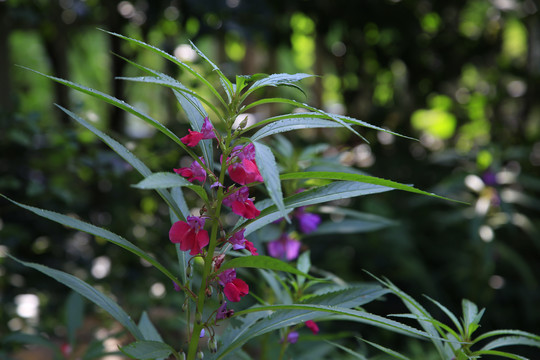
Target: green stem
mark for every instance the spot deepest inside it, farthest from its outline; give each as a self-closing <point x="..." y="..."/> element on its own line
<point x="198" y="324"/>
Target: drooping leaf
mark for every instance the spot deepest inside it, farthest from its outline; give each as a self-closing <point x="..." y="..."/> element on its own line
<point x="148" y="329"/>
<point x="293" y="124"/>
<point x="347" y="226"/>
<point x="96" y="231"/>
<point x="353" y="353"/>
<point x="386" y="350"/>
<point x="127" y="156"/>
<point x="90" y="293"/>
<point x="146" y="349"/>
<point x="268" y="167"/>
<point x="511" y="341"/>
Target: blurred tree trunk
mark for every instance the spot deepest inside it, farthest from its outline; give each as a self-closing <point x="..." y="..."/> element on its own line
<point x="56" y="48"/>
<point x="6" y="98"/>
<point x="117" y="117"/>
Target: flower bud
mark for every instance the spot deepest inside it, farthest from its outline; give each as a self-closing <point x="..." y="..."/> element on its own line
<point x="212" y="345"/>
<point x="189" y="270"/>
<point x="185" y="305"/>
<point x="182" y="355"/>
<point x="200" y="355"/>
<point x="208" y="291"/>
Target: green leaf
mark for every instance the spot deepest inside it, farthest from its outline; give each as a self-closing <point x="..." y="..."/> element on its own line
<point x="360" y="178"/>
<point x="293" y="124"/>
<point x="510" y="341"/>
<point x="303" y="264"/>
<point x="304" y="312"/>
<point x="128" y="157"/>
<point x="261" y="262"/>
<point x="31" y="339"/>
<point x="227" y="85"/>
<point x="90" y="293"/>
<point x="354" y="354"/>
<point x="505" y="332"/>
<point x="347" y="226"/>
<point x="477" y="354"/>
<point x="116" y="102"/>
<point x="146" y="349"/>
<point x="162" y="180"/>
<point x="148" y="329"/>
<point x="96" y="231"/>
<point x="334" y="191"/>
<point x="172" y="59"/>
<point x="268" y="167"/>
<point x="386" y="350"/>
<point x="277" y="80"/>
<point x="74" y="315"/>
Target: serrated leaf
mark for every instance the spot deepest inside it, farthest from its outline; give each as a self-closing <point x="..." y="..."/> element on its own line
<point x="172" y="59"/>
<point x="268" y="168"/>
<point x="225" y="83"/>
<point x="293" y="124"/>
<point x="386" y="350"/>
<point x="505" y="332"/>
<point x="96" y="231"/>
<point x="334" y="191"/>
<point x="360" y="178"/>
<point x="510" y="341"/>
<point x="302" y="312"/>
<point x="261" y="262"/>
<point x="278" y="80"/>
<point x="88" y="292"/>
<point x="147" y="350"/>
<point x="116" y="102"/>
<point x="128" y="157"/>
<point x="162" y="180"/>
<point x="477" y="355"/>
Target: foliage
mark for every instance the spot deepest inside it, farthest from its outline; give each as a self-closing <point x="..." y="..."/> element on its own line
<point x="252" y="166"/>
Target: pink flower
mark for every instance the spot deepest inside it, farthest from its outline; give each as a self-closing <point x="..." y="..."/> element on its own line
<point x="284" y="247"/>
<point x="194" y="172"/>
<point x="240" y="204"/>
<point x="252" y="249"/>
<point x="242" y="166"/>
<point x="311" y="325"/>
<point x="193" y="137"/>
<point x="190" y="235"/>
<point x="233" y="288"/>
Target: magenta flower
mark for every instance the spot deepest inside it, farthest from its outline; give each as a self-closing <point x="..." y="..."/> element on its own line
<point x="190" y="235"/>
<point x="307" y="222"/>
<point x="233" y="288"/>
<point x="252" y="249"/>
<point x="238" y="240"/>
<point x="311" y="325"/>
<point x="242" y="166"/>
<point x="194" y="172"/>
<point x="240" y="203"/>
<point x="284" y="248"/>
<point x="193" y="137"/>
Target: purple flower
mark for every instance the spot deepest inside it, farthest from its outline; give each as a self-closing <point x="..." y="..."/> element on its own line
<point x="176" y="286"/>
<point x="284" y="247"/>
<point x="238" y="240"/>
<point x="489" y="178"/>
<point x="207" y="129"/>
<point x="292" y="338"/>
<point x="227" y="276"/>
<point x="223" y="313"/>
<point x="307" y="222"/>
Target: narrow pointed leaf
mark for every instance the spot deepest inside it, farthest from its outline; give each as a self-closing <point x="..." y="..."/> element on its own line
<point x="268" y="167"/>
<point x="116" y="102"/>
<point x="147" y="350"/>
<point x="360" y="178"/>
<point x="96" y="231"/>
<point x="278" y="80"/>
<point x="386" y="350"/>
<point x="477" y="354"/>
<point x="148" y="329"/>
<point x="511" y="341"/>
<point x="90" y="293"/>
<point x="261" y="262"/>
<point x="127" y="156"/>
<point x="506" y="332"/>
<point x="334" y="191"/>
<point x="162" y="180"/>
<point x="353" y="353"/>
<point x="172" y="59"/>
<point x="293" y="124"/>
<point x="227" y="85"/>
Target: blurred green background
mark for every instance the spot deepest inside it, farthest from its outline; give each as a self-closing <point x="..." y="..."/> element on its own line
<point x="463" y="77"/>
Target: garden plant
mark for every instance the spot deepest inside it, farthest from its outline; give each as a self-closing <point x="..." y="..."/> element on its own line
<point x="242" y="268"/>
